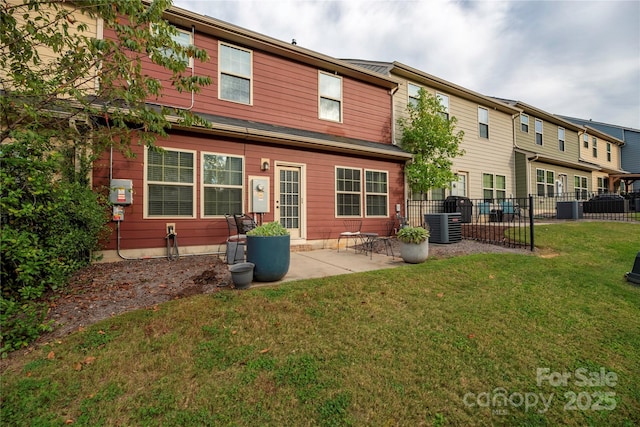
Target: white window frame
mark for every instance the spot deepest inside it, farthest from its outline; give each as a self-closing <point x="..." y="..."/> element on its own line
<point x="524" y="122"/>
<point x="594" y="145"/>
<point x="548" y="182"/>
<point x="378" y="194"/>
<point x="481" y="123"/>
<point x="412" y="99"/>
<point x="541" y="132"/>
<point x="608" y="152"/>
<point x="204" y="185"/>
<point x="233" y="74"/>
<point x="561" y="138"/>
<point x="167" y="52"/>
<point x="147" y="183"/>
<point x="496" y="192"/>
<point x="348" y="192"/>
<point x="603" y="184"/>
<point x="444" y="101"/>
<point x="581" y="186"/>
<point x="330" y="97"/>
<point x="585" y="140"/>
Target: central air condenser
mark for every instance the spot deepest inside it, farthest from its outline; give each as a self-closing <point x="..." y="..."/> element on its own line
<point x="444" y="227"/>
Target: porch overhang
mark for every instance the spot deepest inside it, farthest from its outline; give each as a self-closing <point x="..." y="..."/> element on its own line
<point x="264" y="132"/>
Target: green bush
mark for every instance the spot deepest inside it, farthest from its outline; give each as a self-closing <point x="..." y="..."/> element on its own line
<point x="412" y="235"/>
<point x="269" y="229"/>
<point x="50" y="227"/>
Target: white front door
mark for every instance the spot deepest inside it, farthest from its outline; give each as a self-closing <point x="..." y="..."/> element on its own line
<point x="289" y="198"/>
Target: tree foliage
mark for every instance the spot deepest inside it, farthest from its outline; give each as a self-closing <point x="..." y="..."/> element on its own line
<point x="66" y="95"/>
<point x="431" y="136"/>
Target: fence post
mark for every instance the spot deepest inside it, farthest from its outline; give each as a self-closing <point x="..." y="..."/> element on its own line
<point x="531" y="233"/>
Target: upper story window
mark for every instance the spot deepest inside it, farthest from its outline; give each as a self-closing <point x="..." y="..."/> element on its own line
<point x="608" y="152"/>
<point x="561" y="139"/>
<point x="444" y="101"/>
<point x="330" y="89"/>
<point x="222" y="178"/>
<point x="235" y="65"/>
<point x="413" y="93"/>
<point x="170" y="180"/>
<point x="182" y="38"/>
<point x="594" y="145"/>
<point x="585" y="140"/>
<point x="483" y="122"/>
<point x="524" y="123"/>
<point x="538" y="131"/>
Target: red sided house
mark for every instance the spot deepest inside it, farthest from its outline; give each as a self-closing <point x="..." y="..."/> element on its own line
<point x="296" y="137"/>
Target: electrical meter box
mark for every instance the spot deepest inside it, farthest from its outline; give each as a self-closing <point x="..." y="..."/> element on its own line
<point x="259" y="195"/>
<point x="121" y="192"/>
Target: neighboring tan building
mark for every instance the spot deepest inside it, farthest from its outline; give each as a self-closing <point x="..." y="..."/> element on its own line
<point x="547" y="155"/>
<point x="629" y="152"/>
<point x="485" y="171"/>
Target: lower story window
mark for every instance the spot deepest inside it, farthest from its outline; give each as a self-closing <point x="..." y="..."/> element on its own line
<point x="580" y="186"/>
<point x="545" y="182"/>
<point x="348" y="192"/>
<point x="376" y="189"/>
<point x="222" y="177"/>
<point x="170" y="183"/>
<point x="494" y="186"/>
<point x="603" y="184"/>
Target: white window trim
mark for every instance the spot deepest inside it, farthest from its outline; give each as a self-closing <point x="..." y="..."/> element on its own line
<point x="203" y="185"/>
<point x="409" y="97"/>
<point x="249" y="77"/>
<point x="341" y="100"/>
<point x="365" y="193"/>
<point x="609" y="152"/>
<point x="146" y="182"/>
<point x="335" y="192"/>
<point x="564" y="133"/>
<point x="535" y="128"/>
<point x="446" y="110"/>
<point x="487" y="123"/>
<point x="521" y="117"/>
<point x="494" y="189"/>
<point x="191" y="40"/>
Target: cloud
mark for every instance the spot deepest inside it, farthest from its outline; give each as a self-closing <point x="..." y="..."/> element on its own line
<point x="578" y="58"/>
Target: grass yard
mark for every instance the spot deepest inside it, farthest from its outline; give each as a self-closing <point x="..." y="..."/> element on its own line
<point x="473" y="340"/>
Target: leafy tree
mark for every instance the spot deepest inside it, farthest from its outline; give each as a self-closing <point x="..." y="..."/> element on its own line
<point x="430" y="135"/>
<point x="67" y="95"/>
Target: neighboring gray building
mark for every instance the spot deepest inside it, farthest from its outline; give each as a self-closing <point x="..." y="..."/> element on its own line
<point x="630" y="152"/>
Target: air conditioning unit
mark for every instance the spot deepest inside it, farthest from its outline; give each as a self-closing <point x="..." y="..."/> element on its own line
<point x="444" y="227"/>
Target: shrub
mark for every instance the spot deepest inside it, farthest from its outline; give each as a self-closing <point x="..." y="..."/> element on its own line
<point x="412" y="235"/>
<point x="50" y="227"/>
<point x="269" y="229"/>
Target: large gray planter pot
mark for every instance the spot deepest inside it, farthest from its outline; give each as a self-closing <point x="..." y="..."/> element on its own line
<point x="270" y="255"/>
<point x="414" y="253"/>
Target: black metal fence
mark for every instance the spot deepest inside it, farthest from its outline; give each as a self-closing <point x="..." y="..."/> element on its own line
<point x="511" y="221"/>
<point x="593" y="206"/>
<point x="505" y="222"/>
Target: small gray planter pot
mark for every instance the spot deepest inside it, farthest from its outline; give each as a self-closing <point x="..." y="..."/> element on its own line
<point x="414" y="253"/>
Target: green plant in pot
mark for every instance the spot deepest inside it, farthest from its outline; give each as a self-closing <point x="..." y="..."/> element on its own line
<point x="414" y="244"/>
<point x="268" y="248"/>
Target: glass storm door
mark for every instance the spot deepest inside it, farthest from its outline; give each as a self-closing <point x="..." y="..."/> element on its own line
<point x="289" y="199"/>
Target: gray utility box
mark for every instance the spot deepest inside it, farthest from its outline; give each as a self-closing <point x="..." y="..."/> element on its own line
<point x="444" y="227"/>
<point x="570" y="210"/>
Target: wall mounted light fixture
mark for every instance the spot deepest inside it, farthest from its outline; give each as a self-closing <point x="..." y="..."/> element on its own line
<point x="264" y="164"/>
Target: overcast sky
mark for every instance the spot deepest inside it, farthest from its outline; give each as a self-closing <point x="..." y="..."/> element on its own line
<point x="573" y="58"/>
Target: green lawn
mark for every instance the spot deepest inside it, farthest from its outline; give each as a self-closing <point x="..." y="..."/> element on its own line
<point x="474" y="340"/>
